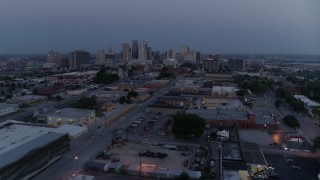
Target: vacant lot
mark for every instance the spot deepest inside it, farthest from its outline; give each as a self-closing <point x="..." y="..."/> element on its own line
<point x="129" y="154"/>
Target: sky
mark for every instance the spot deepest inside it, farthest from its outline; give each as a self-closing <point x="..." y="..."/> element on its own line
<point x="209" y="26"/>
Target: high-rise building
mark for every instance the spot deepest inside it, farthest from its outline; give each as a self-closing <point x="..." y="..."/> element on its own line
<point x="142" y="55"/>
<point x="184" y="49"/>
<point x="212" y="62"/>
<point x="135" y="49"/>
<point x="235" y="64"/>
<point x="126" y="52"/>
<point x="190" y="56"/>
<point x="54" y="57"/>
<point x="149" y="53"/>
<point x="170" y="53"/>
<point x="78" y="58"/>
<point x="110" y="55"/>
<point x="101" y="57"/>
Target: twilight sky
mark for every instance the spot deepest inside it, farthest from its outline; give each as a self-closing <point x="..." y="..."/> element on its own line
<point x="222" y="26"/>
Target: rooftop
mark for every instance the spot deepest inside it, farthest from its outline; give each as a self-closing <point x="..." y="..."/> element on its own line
<point x="5" y="105"/>
<point x="252" y="154"/>
<point x="15" y="135"/>
<point x="24" y="148"/>
<point x="306" y="100"/>
<point x="70" y="113"/>
<point x="213" y="114"/>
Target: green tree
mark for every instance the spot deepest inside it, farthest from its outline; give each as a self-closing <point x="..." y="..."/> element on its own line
<point x="122" y="99"/>
<point x="278" y="103"/>
<point x="58" y="98"/>
<point x="133" y="94"/>
<point x="291" y="121"/>
<point x="316" y="112"/>
<point x="183" y="176"/>
<point x="242" y="92"/>
<point x="316" y="142"/>
<point x="87" y="103"/>
<point x="187" y="125"/>
<point x="102" y="77"/>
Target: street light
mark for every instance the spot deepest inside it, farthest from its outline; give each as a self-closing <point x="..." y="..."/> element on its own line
<point x="76" y="159"/>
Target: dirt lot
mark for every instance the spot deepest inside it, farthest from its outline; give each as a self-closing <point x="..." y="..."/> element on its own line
<point x="129" y="154"/>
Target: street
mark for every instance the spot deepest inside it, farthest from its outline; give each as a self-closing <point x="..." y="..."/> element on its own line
<point x="66" y="166"/>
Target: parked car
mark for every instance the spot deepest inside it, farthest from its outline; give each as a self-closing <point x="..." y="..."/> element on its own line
<point x="295" y="167"/>
<point x="212" y="163"/>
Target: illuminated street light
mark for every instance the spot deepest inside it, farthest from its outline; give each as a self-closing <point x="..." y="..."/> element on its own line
<point x="76" y="159"/>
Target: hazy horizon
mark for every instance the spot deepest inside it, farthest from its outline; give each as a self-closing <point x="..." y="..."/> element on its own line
<point x="287" y="27"/>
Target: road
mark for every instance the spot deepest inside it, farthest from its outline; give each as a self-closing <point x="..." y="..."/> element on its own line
<point x="66" y="166"/>
<point x="307" y="126"/>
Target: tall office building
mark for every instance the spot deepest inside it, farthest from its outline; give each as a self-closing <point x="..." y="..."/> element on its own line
<point x="235" y="64"/>
<point x="212" y="62"/>
<point x="184" y="49"/>
<point x="126" y="52"/>
<point x="149" y="53"/>
<point x="78" y="58"/>
<point x="101" y="57"/>
<point x="110" y="55"/>
<point x="135" y="49"/>
<point x="54" y="57"/>
<point x="170" y="53"/>
<point x="142" y="55"/>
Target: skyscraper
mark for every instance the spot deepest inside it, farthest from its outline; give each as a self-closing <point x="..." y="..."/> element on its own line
<point x="54" y="57"/>
<point x="235" y="64"/>
<point x="135" y="49"/>
<point x="142" y="55"/>
<point x="170" y="53"/>
<point x="126" y="52"/>
<point x="78" y="58"/>
<point x="184" y="49"/>
<point x="101" y="57"/>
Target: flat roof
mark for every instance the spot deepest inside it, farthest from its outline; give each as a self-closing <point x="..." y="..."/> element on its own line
<point x="15" y="135"/>
<point x="73" y="131"/>
<point x="213" y="114"/>
<point x="252" y="154"/>
<point x="18" y="152"/>
<point x="6" y="105"/>
<point x="306" y="100"/>
<point x="70" y="113"/>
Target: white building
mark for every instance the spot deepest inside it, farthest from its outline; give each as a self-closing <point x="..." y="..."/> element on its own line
<point x="101" y="57"/>
<point x="142" y="51"/>
<point x="8" y="108"/>
<point x="73" y="116"/>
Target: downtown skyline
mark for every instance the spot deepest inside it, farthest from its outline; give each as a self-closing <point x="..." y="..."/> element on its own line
<point x="266" y="27"/>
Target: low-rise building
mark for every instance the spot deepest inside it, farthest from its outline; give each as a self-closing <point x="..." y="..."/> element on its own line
<point x="26" y="150"/>
<point x="30" y="99"/>
<point x="8" y="108"/>
<point x="72" y="116"/>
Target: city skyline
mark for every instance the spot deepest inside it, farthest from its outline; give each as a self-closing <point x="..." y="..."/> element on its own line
<point x="246" y="27"/>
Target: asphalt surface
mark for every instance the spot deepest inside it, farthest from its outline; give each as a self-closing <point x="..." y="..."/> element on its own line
<point x="85" y="149"/>
<point x="309" y="167"/>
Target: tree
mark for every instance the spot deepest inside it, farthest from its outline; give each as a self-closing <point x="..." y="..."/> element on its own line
<point x="187" y="125"/>
<point x="316" y="142"/>
<point x="122" y="99"/>
<point x="58" y="98"/>
<point x="102" y="77"/>
<point x="291" y="121"/>
<point x="242" y="92"/>
<point x="316" y="111"/>
<point x="278" y="103"/>
<point x="183" y="176"/>
<point x="133" y="94"/>
<point x="87" y="103"/>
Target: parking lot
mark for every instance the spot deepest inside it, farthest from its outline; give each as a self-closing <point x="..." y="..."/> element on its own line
<point x="129" y="154"/>
<point x="150" y="124"/>
<point x="294" y="168"/>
